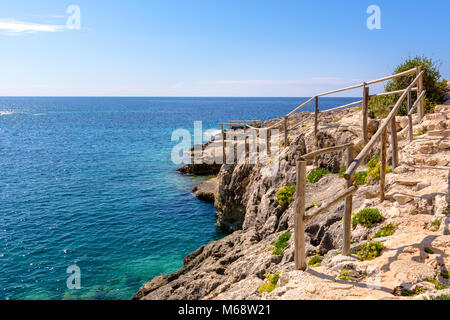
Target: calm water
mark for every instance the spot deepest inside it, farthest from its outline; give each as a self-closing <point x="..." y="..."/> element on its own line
<point x="89" y="181"/>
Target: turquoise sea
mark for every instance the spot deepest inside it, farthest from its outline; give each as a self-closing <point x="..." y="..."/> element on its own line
<point x="89" y="181"/>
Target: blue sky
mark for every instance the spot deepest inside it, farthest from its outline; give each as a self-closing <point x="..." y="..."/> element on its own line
<point x="211" y="47"/>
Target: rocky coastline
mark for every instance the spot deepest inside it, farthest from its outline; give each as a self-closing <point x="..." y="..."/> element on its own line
<point x="245" y="198"/>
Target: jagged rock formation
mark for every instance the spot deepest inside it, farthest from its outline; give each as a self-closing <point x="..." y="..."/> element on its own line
<point x="417" y="194"/>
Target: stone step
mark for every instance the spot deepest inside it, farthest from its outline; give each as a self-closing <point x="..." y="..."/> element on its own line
<point x="442" y="108"/>
<point x="445" y="132"/>
<point x="437" y="116"/>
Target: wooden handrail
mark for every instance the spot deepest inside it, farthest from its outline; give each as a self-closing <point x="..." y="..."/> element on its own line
<point x="320" y="152"/>
<point x="339" y="197"/>
<point x="357" y="161"/>
<point x="419" y="98"/>
<point x="387" y="93"/>
<point x="344" y="106"/>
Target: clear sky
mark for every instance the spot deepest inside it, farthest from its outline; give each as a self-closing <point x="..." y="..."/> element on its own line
<point x="211" y="47"/>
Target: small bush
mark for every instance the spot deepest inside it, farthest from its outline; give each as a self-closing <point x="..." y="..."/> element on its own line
<point x="315" y="261"/>
<point x="445" y="274"/>
<point x="428" y="250"/>
<point x="374" y="170"/>
<point x="421" y="132"/>
<point x="437" y="284"/>
<point x="316" y="204"/>
<point x="360" y="178"/>
<point x="281" y="244"/>
<point x="271" y="282"/>
<point x="436" y="223"/>
<point x="369" y="250"/>
<point x="367" y="217"/>
<point x="286" y="195"/>
<point x="433" y="84"/>
<point x="317" y="174"/>
<point x="443" y="297"/>
<point x="386" y="231"/>
<point x="342" y="171"/>
<point x="446" y="210"/>
<point x="345" y="275"/>
<point x="409" y="293"/>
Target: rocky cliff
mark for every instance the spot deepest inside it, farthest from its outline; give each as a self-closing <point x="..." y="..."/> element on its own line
<point x="417" y="198"/>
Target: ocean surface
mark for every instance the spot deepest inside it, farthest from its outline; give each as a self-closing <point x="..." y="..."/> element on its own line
<point x="89" y="181"/>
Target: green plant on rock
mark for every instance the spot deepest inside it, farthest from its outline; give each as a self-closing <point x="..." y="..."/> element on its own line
<point x="369" y="250"/>
<point x="445" y="274"/>
<point x="360" y="178"/>
<point x="386" y="231"/>
<point x="367" y="217"/>
<point x="342" y="171"/>
<point x="409" y="293"/>
<point x="270" y="283"/>
<point x="286" y="195"/>
<point x="443" y="297"/>
<point x="436" y="223"/>
<point x="281" y="244"/>
<point x="374" y="170"/>
<point x="446" y="210"/>
<point x="428" y="250"/>
<point x="345" y="275"/>
<point x="420" y="132"/>
<point x="317" y="174"/>
<point x="316" y="260"/>
<point x="437" y="284"/>
<point x="316" y="204"/>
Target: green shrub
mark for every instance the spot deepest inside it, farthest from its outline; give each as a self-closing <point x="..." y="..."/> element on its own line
<point x="420" y="132"/>
<point x="374" y="170"/>
<point x="445" y="274"/>
<point x="386" y="231"/>
<point x="409" y="293"/>
<point x="437" y="284"/>
<point x="443" y="297"/>
<point x="428" y="250"/>
<point x="317" y="174"/>
<point x="446" y="210"/>
<point x="344" y="275"/>
<point x="286" y="195"/>
<point x="360" y="178"/>
<point x="281" y="244"/>
<point x="367" y="217"/>
<point x="369" y="250"/>
<point x="316" y="204"/>
<point x="315" y="261"/>
<point x="342" y="171"/>
<point x="271" y="282"/>
<point x="436" y="223"/>
<point x="433" y="84"/>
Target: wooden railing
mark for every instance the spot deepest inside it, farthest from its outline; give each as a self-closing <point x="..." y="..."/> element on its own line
<point x="283" y="123"/>
<point x="352" y="164"/>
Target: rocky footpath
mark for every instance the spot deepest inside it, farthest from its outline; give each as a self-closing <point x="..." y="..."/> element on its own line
<point x="417" y="197"/>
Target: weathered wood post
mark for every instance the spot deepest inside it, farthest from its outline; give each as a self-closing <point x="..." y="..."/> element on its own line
<point x="268" y="133"/>
<point x="299" y="233"/>
<point x="365" y="112"/>
<point x="410" y="122"/>
<point x="285" y="131"/>
<point x="394" y="141"/>
<point x="316" y="117"/>
<point x="383" y="165"/>
<point x="348" y="209"/>
<point x="224" y="155"/>
<point x="419" y="91"/>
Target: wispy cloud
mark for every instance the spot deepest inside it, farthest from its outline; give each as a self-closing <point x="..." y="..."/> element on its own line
<point x="15" y="27"/>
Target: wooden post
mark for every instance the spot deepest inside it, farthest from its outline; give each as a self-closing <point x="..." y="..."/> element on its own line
<point x="383" y="165"/>
<point x="300" y="253"/>
<point x="316" y="118"/>
<point x="224" y="155"/>
<point x="348" y="209"/>
<point x="419" y="91"/>
<point x="410" y="122"/>
<point x="394" y="142"/>
<point x="365" y="112"/>
<point x="268" y="131"/>
<point x="285" y="132"/>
